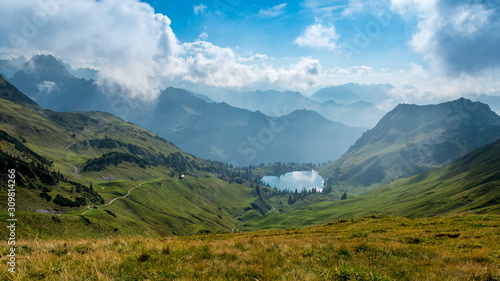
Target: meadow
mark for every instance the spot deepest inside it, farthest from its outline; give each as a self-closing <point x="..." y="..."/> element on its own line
<point x="454" y="247"/>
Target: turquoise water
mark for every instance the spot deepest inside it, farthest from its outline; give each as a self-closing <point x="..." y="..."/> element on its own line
<point x="296" y="180"/>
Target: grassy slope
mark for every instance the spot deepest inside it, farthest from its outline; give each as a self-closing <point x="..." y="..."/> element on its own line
<point x="461" y="247"/>
<point x="470" y="184"/>
<point x="170" y="206"/>
<point x="166" y="207"/>
<point x="57" y="136"/>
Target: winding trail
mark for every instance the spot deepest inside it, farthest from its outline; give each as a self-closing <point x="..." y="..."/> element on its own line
<point x="238" y="219"/>
<point x="122" y="197"/>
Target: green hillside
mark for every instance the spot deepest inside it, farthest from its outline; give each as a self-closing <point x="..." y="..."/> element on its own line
<point x="470" y="184"/>
<point x="71" y="165"/>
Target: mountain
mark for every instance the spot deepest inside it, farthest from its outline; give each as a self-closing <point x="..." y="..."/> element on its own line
<point x="196" y="123"/>
<point x="276" y="103"/>
<point x="352" y="92"/>
<point x="271" y="103"/>
<point x="413" y="139"/>
<point x="358" y="114"/>
<point x="335" y="93"/>
<point x="44" y="79"/>
<point x="221" y="132"/>
<point x="105" y="176"/>
<point x="9" y="67"/>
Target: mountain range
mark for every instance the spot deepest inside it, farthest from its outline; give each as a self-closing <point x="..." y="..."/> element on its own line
<point x="196" y="123"/>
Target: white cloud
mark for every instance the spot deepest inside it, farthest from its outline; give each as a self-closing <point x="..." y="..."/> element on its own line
<point x="273" y="11"/>
<point x="325" y="9"/>
<point x="352" y="70"/>
<point x="319" y="36"/>
<point x="47" y="87"/>
<point x="221" y="67"/>
<point x="199" y="9"/>
<point x="124" y="39"/>
<point x="135" y="49"/>
<point x="371" y="6"/>
<point x="457" y="37"/>
<point x="203" y="36"/>
<point x="256" y="57"/>
<point x="304" y="74"/>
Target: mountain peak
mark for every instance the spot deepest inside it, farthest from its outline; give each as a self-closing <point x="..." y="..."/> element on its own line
<point x="45" y="66"/>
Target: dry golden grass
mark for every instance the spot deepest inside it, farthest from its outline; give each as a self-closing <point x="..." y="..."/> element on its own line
<point x="461" y="247"/>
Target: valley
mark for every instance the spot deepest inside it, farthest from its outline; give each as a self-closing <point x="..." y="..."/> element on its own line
<point x="250" y="140"/>
<point x="106" y="186"/>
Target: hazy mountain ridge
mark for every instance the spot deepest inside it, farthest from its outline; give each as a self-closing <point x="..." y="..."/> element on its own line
<point x="198" y="125"/>
<point x="352" y="92"/>
<point x="221" y="132"/>
<point x="412" y="139"/>
<point x="51" y="85"/>
<point x="9" y="67"/>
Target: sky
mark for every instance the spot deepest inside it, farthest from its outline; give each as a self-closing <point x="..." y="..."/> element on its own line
<point x="426" y="48"/>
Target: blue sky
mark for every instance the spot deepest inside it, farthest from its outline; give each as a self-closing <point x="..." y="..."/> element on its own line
<point x="426" y="48"/>
<point x="272" y="27"/>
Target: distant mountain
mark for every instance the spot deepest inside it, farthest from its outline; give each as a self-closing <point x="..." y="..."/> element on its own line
<point x="335" y="93"/>
<point x="413" y="139"/>
<point x="80" y="72"/>
<point x="358" y="114"/>
<point x="9" y="67"/>
<point x="271" y="103"/>
<point x="44" y="79"/>
<point x="352" y="92"/>
<point x="221" y="132"/>
<point x="275" y="103"/>
<point x="196" y="123"/>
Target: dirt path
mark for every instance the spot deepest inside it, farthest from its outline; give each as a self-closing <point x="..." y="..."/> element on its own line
<point x="238" y="219"/>
<point x="122" y="197"/>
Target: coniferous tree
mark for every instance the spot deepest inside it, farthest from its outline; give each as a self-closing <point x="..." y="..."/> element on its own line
<point x="344" y="196"/>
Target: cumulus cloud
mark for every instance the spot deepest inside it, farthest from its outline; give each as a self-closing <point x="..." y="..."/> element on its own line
<point x="304" y="74"/>
<point x="273" y="11"/>
<point x="134" y="49"/>
<point x="459" y="37"/>
<point x="319" y="36"/>
<point x="124" y="39"/>
<point x="215" y="66"/>
<point x="221" y="67"/>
